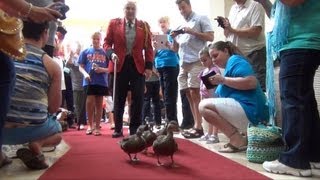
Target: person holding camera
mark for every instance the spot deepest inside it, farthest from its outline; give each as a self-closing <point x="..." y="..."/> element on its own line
<point x="167" y="64"/>
<point x="193" y="36"/>
<point x="245" y="28"/>
<point x="79" y="96"/>
<point x="62" y="8"/>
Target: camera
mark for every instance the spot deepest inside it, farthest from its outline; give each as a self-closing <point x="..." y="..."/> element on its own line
<point x="178" y="31"/>
<point x="62" y="9"/>
<point x="219" y="19"/>
<point x="94" y="66"/>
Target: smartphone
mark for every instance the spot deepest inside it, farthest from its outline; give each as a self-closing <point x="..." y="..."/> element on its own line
<point x="178" y="31"/>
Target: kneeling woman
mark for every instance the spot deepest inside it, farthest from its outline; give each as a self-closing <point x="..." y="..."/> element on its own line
<point x="240" y="98"/>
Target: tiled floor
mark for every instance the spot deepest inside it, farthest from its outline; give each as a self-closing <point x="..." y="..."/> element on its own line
<point x="17" y="170"/>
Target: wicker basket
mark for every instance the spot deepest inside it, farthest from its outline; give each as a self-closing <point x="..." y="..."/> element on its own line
<point x="264" y="143"/>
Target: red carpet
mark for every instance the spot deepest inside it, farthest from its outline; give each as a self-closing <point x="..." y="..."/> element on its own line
<point x="93" y="158"/>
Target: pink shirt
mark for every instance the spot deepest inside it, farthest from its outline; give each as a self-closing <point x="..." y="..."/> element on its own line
<point x="204" y="92"/>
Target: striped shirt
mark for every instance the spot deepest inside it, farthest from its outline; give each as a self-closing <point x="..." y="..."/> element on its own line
<point x="29" y="101"/>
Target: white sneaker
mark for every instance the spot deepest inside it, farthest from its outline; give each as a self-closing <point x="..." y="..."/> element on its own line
<point x="279" y="168"/>
<point x="81" y="127"/>
<point x="315" y="168"/>
<point x="213" y="139"/>
<point x="315" y="165"/>
<point x="204" y="137"/>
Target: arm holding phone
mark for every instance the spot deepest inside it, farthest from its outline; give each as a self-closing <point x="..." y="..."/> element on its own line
<point x="25" y="10"/>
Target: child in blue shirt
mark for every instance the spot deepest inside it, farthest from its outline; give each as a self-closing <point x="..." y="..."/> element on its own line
<point x="93" y="66"/>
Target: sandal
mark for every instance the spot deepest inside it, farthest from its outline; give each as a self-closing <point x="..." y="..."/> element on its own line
<point x="229" y="148"/>
<point x="5" y="161"/>
<point x="49" y="149"/>
<point x="97" y="132"/>
<point x="32" y="160"/>
<point x="194" y="133"/>
<point x="89" y="132"/>
<point x="112" y="126"/>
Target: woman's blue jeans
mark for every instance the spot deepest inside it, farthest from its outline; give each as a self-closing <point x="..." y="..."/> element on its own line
<point x="7" y="79"/>
<point x="301" y="123"/>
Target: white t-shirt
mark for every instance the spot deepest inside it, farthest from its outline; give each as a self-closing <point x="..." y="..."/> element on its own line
<point x="249" y="14"/>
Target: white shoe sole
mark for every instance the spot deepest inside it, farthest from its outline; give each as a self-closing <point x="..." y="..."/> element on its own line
<point x="315" y="168"/>
<point x="289" y="171"/>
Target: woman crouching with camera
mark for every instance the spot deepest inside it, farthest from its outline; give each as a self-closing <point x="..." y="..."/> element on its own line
<point x="240" y="98"/>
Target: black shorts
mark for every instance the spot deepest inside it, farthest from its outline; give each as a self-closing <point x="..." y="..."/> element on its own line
<point x="96" y="90"/>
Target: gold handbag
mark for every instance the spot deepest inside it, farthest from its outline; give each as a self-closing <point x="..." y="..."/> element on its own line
<point x="11" y="38"/>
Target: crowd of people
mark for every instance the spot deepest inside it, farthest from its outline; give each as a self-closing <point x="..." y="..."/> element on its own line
<point x="221" y="84"/>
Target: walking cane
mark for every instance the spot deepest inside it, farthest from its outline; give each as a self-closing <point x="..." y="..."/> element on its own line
<point x="115" y="59"/>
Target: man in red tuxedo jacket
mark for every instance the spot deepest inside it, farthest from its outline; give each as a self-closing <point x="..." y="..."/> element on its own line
<point x="128" y="41"/>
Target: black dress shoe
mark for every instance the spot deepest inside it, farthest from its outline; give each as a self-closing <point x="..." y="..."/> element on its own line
<point x="117" y="134"/>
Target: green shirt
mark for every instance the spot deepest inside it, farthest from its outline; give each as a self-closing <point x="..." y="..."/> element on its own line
<point x="304" y="28"/>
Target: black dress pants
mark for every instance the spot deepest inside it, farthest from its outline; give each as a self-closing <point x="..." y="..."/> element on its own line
<point x="129" y="75"/>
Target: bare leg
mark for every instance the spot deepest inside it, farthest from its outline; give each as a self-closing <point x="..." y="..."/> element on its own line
<point x="98" y="111"/>
<point x="111" y="119"/>
<point x="210" y="129"/>
<point x="90" y="103"/>
<point x="50" y="141"/>
<point x="214" y="131"/>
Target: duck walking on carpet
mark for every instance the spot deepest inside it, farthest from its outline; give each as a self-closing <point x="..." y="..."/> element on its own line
<point x="165" y="145"/>
<point x="133" y="144"/>
<point x="149" y="136"/>
<point x="163" y="131"/>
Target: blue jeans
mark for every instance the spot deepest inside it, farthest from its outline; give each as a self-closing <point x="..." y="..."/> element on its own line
<point x="169" y="86"/>
<point x="301" y="123"/>
<point x="7" y="77"/>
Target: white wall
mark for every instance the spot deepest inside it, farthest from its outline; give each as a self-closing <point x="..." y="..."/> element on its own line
<point x="86" y="17"/>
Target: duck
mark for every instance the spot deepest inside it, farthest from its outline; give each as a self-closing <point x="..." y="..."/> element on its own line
<point x="165" y="145"/>
<point x="149" y="136"/>
<point x="133" y="144"/>
<point x="163" y="131"/>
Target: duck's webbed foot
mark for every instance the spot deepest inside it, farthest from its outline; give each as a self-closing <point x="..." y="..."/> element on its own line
<point x="135" y="159"/>
<point x="173" y="164"/>
<point x="159" y="163"/>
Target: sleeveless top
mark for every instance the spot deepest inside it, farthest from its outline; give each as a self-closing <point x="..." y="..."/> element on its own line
<point x="29" y="101"/>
